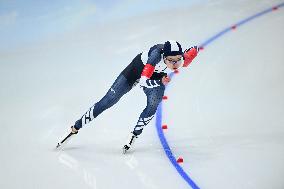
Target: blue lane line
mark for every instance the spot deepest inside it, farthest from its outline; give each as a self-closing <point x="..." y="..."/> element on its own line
<point x="159" y="114"/>
<point x="216" y="36"/>
<point x="168" y="151"/>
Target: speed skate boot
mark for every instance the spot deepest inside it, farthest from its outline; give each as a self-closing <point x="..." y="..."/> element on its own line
<point x="68" y="137"/>
<point x="129" y="142"/>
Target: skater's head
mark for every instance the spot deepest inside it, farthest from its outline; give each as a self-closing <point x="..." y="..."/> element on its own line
<point x="173" y="55"/>
<point x="173" y="62"/>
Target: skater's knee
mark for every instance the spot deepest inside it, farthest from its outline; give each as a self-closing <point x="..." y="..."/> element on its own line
<point x="152" y="107"/>
<point x="108" y="100"/>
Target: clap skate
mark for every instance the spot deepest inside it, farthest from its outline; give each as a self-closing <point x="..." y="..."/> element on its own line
<point x="129" y="142"/>
<point x="68" y="137"/>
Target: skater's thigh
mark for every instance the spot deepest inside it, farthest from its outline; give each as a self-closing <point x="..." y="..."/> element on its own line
<point x="117" y="90"/>
<point x="154" y="95"/>
<point x="154" y="92"/>
<point x="120" y="86"/>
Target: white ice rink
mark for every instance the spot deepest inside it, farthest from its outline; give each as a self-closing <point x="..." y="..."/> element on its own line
<point x="225" y="113"/>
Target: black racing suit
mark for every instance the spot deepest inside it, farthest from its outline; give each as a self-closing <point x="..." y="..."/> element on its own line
<point x="124" y="83"/>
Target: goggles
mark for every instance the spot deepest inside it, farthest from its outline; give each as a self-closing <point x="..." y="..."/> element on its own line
<point x="171" y="61"/>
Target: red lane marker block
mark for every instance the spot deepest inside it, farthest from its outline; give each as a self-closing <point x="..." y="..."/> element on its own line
<point x="176" y="71"/>
<point x="180" y="160"/>
<point x="234" y="27"/>
<point x="165" y="98"/>
<point x="275" y="8"/>
<point x="164" y="127"/>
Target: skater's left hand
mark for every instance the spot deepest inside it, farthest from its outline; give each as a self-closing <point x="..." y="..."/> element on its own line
<point x="166" y="80"/>
<point x="189" y="55"/>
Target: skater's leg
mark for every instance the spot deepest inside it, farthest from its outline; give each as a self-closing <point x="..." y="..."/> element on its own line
<point x="117" y="90"/>
<point x="154" y="97"/>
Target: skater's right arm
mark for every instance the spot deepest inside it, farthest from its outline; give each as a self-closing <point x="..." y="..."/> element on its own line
<point x="148" y="70"/>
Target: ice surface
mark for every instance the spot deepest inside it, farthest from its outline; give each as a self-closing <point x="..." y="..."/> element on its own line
<point x="224" y="113"/>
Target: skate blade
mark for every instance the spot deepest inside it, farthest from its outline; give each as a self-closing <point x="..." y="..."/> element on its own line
<point x="58" y="146"/>
<point x="124" y="150"/>
<point x="64" y="141"/>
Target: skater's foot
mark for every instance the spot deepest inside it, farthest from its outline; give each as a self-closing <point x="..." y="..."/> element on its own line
<point x="129" y="142"/>
<point x="74" y="130"/>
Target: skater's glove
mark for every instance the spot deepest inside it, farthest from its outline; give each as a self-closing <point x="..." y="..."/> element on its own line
<point x="145" y="80"/>
<point x="149" y="83"/>
<point x="189" y="55"/>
